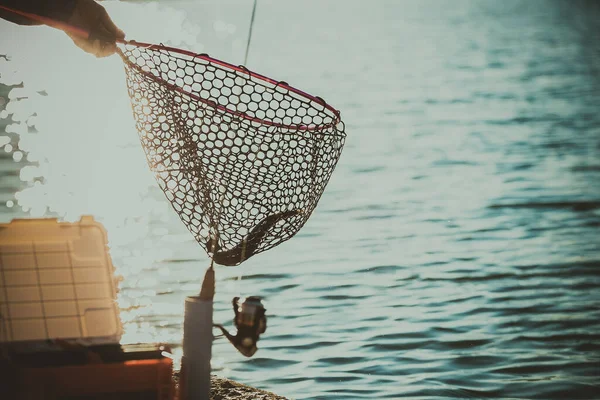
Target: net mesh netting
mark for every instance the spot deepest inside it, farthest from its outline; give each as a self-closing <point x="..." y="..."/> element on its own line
<point x="243" y="159"/>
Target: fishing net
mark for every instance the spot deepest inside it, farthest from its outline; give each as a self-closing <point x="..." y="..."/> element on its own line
<point x="242" y="158"/>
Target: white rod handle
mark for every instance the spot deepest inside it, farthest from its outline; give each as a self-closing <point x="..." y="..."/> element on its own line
<point x="197" y="344"/>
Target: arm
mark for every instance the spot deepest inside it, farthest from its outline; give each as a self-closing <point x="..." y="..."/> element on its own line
<point x="59" y="10"/>
<point x="85" y="15"/>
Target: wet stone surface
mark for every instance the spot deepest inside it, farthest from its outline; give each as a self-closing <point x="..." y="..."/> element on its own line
<point x="226" y="389"/>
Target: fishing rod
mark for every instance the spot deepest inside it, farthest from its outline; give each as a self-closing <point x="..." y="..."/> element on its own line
<point x="250" y="32"/>
<point x="261" y="148"/>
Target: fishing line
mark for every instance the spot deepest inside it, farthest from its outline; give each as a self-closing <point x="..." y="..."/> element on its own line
<point x="250" y="31"/>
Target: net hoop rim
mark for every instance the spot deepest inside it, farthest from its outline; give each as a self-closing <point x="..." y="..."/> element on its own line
<point x="241" y="69"/>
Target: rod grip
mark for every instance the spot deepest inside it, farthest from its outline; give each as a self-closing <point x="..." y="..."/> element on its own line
<point x="197" y="349"/>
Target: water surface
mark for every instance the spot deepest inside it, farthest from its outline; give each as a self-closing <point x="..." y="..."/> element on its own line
<point x="456" y="250"/>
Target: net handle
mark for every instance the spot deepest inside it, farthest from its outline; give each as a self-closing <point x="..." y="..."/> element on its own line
<point x="237" y="68"/>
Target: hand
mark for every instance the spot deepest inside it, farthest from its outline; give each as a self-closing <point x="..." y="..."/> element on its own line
<point x="92" y="17"/>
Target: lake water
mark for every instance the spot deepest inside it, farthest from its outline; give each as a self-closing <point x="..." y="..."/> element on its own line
<point x="455" y="252"/>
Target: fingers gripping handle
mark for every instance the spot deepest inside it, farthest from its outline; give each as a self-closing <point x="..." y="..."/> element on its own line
<point x="98" y="34"/>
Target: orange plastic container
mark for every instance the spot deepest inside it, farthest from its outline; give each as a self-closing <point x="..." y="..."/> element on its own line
<point x="139" y="379"/>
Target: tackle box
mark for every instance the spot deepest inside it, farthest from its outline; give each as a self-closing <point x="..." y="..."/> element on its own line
<point x="59" y="322"/>
<point x="57" y="282"/>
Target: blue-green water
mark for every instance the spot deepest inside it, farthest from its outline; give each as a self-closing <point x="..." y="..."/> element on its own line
<point x="456" y="250"/>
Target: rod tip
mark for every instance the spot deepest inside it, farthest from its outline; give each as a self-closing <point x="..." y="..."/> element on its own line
<point x="207" y="292"/>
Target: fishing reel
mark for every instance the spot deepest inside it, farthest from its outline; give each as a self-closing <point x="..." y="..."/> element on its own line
<point x="250" y="321"/>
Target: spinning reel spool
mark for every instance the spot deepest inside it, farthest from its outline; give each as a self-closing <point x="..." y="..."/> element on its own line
<point x="250" y="321"/>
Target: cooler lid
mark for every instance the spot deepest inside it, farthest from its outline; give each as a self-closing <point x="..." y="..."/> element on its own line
<point x="57" y="281"/>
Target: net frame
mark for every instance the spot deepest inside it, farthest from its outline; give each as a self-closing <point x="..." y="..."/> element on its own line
<point x="254" y="180"/>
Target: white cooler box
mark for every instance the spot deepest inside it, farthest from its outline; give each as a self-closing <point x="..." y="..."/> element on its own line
<point x="57" y="282"/>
